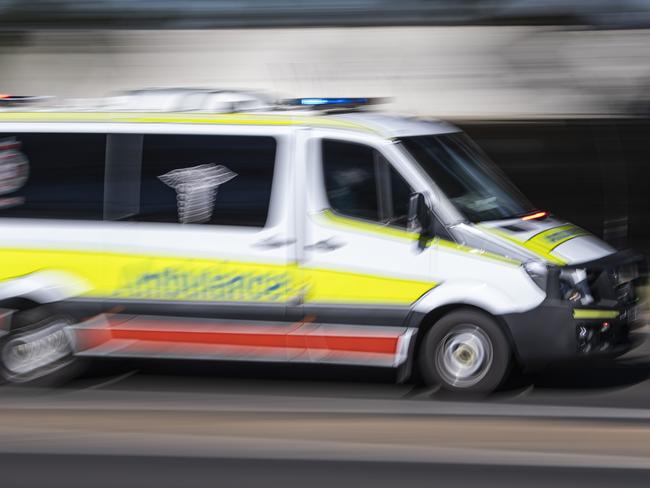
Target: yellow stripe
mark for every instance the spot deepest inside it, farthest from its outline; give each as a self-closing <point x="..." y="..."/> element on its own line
<point x="183" y="118"/>
<point x="115" y="275"/>
<point x="534" y="247"/>
<point x="583" y="313"/>
<point x="385" y="230"/>
<point x="327" y="286"/>
<point x="551" y="238"/>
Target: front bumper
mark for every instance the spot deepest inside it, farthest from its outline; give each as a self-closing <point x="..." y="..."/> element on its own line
<point x="553" y="332"/>
<point x="559" y="329"/>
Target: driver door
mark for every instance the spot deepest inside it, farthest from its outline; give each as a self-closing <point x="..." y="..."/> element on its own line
<point x="363" y="269"/>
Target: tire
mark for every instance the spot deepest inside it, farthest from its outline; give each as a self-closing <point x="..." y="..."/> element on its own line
<point x="465" y="351"/>
<point x="37" y="349"/>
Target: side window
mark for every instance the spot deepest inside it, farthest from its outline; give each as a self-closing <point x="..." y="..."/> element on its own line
<point x="52" y="176"/>
<point x="351" y="179"/>
<point x="219" y="180"/>
<point x="360" y="183"/>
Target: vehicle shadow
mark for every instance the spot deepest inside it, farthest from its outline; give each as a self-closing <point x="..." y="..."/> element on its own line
<point x="590" y="377"/>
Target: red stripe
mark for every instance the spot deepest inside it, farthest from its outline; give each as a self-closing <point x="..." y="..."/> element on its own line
<point x="293" y="341"/>
<point x="230" y="339"/>
<point x="192" y="349"/>
<point x="168" y="333"/>
<point x="386" y="345"/>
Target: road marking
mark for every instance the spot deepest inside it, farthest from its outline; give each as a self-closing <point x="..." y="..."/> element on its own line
<point x="111" y="381"/>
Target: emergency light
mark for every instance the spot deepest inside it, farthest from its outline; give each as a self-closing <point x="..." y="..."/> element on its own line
<point x="321" y="102"/>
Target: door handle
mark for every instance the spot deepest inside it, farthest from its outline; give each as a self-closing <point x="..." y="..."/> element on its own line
<point x="274" y="243"/>
<point x="330" y="244"/>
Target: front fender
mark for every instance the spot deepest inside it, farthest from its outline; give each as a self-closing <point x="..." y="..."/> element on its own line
<point x="478" y="294"/>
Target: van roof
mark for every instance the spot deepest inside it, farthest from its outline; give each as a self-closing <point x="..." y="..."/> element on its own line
<point x="389" y="126"/>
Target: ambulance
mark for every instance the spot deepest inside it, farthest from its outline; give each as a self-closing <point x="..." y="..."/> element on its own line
<point x="314" y="231"/>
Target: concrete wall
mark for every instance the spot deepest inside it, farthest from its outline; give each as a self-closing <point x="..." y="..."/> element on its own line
<point x="446" y="71"/>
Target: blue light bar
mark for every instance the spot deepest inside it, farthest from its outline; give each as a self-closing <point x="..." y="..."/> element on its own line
<point x="331" y="101"/>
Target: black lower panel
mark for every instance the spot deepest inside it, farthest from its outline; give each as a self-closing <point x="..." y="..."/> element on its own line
<point x="331" y="313"/>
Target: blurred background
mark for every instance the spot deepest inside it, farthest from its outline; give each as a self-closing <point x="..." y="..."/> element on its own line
<point x="556" y="91"/>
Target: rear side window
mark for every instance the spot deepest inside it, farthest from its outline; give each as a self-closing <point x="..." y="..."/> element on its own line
<point x="196" y="179"/>
<point x="52" y="176"/>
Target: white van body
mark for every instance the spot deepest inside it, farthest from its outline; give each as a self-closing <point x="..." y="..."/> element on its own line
<point x="310" y="281"/>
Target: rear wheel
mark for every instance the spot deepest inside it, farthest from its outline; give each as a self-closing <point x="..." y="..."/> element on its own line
<point x="465" y="351"/>
<point x="37" y="348"/>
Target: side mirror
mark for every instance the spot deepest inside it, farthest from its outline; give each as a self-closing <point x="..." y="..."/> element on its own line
<point x="420" y="219"/>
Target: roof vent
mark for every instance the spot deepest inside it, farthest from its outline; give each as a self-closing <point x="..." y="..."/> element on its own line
<point x="187" y="100"/>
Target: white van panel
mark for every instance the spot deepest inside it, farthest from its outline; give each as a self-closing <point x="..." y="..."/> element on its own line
<point x="492" y="285"/>
<point x="583" y="249"/>
<point x="43" y="287"/>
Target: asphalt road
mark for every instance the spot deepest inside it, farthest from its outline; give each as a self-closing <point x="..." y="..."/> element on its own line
<point x="163" y="472"/>
<point x="196" y="424"/>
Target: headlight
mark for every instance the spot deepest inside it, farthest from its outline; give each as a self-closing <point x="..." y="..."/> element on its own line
<point x="538" y="272"/>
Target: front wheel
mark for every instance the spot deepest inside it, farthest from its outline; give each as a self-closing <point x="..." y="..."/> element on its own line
<point x="465" y="351"/>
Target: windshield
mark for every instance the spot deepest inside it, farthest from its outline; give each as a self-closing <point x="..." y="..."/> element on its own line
<point x="467" y="177"/>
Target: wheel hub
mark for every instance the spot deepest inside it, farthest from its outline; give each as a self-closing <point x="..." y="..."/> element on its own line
<point x="464" y="356"/>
